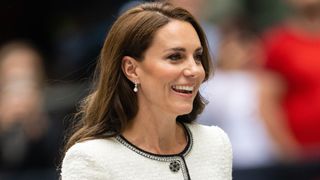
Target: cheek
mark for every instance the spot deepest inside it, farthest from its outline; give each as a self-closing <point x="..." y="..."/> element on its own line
<point x="151" y="78"/>
<point x="159" y="72"/>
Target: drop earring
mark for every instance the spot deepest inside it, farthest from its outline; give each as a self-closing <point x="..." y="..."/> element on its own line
<point x="135" y="89"/>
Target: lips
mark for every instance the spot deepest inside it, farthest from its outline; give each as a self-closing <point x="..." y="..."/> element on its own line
<point x="183" y="89"/>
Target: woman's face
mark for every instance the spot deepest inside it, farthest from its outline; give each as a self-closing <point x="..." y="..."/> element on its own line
<point x="171" y="72"/>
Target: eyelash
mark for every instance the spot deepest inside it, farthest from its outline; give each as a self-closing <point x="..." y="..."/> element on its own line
<point x="198" y="58"/>
<point x="177" y="56"/>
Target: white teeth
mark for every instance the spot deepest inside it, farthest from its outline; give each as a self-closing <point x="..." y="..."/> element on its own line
<point x="185" y="88"/>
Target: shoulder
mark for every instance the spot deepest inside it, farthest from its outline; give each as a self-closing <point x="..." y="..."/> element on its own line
<point x="207" y="131"/>
<point x="81" y="161"/>
<point x="93" y="146"/>
<point x="211" y="136"/>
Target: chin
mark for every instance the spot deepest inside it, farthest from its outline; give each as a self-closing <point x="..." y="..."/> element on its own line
<point x="185" y="110"/>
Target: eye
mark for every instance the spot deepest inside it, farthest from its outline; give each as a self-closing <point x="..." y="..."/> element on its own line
<point x="198" y="57"/>
<point x="175" y="57"/>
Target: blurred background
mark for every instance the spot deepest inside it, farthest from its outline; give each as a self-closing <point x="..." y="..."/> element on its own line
<point x="265" y="92"/>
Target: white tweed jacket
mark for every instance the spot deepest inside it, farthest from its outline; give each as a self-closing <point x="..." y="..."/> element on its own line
<point x="207" y="156"/>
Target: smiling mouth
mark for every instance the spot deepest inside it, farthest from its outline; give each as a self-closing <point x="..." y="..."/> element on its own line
<point x="183" y="89"/>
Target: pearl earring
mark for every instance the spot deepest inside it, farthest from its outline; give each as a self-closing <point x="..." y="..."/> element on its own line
<point x="135" y="89"/>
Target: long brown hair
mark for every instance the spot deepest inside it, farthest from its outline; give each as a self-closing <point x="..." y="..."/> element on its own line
<point x="112" y="102"/>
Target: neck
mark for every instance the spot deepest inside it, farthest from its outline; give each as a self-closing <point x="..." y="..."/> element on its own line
<point x="155" y="133"/>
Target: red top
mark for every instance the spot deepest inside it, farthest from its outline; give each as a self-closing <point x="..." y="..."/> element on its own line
<point x="296" y="56"/>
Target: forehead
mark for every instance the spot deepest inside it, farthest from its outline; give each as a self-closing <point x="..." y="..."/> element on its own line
<point x="177" y="34"/>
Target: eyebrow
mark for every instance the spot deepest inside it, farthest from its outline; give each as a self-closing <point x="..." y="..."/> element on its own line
<point x="182" y="49"/>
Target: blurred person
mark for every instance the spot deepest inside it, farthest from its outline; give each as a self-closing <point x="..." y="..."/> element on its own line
<point x="138" y="122"/>
<point x="242" y="100"/>
<point x="292" y="48"/>
<point x="293" y="52"/>
<point x="23" y="121"/>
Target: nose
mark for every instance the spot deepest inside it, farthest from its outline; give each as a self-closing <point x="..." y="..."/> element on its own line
<point x="193" y="68"/>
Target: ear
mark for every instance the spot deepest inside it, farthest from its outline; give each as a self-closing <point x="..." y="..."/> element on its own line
<point x="129" y="66"/>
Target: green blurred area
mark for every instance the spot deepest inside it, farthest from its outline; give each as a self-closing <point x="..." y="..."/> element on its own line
<point x="261" y="14"/>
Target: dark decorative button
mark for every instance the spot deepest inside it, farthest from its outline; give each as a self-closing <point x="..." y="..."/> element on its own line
<point x="175" y="166"/>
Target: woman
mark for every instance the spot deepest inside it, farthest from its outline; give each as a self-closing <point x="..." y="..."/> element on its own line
<point x="137" y="122"/>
